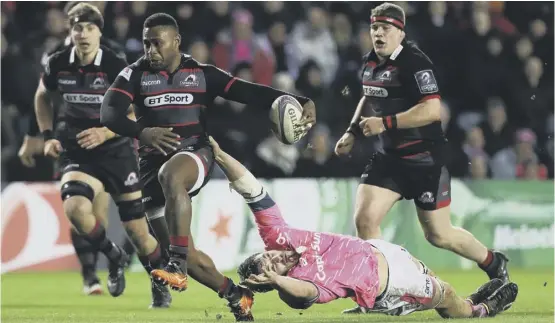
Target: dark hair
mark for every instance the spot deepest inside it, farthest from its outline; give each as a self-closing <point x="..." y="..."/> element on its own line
<point x="389" y="10"/>
<point x="252" y="266"/>
<point x="160" y="19"/>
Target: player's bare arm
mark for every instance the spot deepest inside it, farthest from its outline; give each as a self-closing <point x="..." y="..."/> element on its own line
<point x="94" y="137"/>
<point x="347" y="141"/>
<point x="298" y="294"/>
<point x="45" y="120"/>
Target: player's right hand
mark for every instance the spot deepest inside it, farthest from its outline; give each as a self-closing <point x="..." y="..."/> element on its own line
<point x="215" y="147"/>
<point x="52" y="148"/>
<point x="160" y="138"/>
<point x="345" y="144"/>
<point x="31" y="147"/>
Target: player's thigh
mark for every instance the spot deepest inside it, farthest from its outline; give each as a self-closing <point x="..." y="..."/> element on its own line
<point x="377" y="192"/>
<point x="408" y="285"/>
<point x="101" y="207"/>
<point x="433" y="203"/>
<point x="187" y="169"/>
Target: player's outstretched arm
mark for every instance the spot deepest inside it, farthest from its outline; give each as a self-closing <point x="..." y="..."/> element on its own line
<point x="298" y="294"/>
<point x="223" y="84"/>
<point x="233" y="169"/>
<point x="266" y="212"/>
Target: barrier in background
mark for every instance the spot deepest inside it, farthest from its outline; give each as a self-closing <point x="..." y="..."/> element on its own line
<point x="516" y="217"/>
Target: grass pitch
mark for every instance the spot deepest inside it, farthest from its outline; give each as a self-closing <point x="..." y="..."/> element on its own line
<point x="57" y="298"/>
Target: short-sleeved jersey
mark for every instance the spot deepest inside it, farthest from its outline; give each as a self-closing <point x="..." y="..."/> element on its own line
<point x="395" y="85"/>
<point x="176" y="100"/>
<point x="339" y="266"/>
<point x="82" y="89"/>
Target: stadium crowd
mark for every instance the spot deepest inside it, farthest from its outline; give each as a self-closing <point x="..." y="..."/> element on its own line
<point x="494" y="59"/>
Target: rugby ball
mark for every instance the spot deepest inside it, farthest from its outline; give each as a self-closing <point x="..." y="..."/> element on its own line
<point x="285" y="115"/>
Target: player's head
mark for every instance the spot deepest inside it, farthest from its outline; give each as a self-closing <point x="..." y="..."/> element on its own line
<point x="161" y="40"/>
<point x="86" y="23"/>
<point x="277" y="261"/>
<point x="387" y="28"/>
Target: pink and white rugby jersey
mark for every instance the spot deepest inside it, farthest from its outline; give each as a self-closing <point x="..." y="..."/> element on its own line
<point x="339" y="266"/>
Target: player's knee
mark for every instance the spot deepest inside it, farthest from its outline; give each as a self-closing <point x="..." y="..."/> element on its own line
<point x="77" y="188"/>
<point x="131" y="210"/>
<point x="77" y="198"/>
<point x="76" y="207"/>
<point x="368" y="225"/>
<point x="171" y="181"/>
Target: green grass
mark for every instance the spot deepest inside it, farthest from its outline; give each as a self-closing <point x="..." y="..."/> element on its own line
<point x="57" y="298"/>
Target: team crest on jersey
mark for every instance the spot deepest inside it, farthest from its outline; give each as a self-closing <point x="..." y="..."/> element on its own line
<point x="190" y="80"/>
<point x="98" y="83"/>
<point x="126" y="73"/>
<point x="426" y="81"/>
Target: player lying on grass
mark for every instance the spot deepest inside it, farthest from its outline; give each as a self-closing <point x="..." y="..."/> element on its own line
<point x="307" y="267"/>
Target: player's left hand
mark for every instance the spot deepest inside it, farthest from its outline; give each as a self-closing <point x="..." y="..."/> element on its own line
<point x="309" y="115"/>
<point x="266" y="278"/>
<point x="93" y="137"/>
<point x="371" y="126"/>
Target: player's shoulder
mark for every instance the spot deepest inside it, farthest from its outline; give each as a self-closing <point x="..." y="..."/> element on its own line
<point x="111" y="58"/>
<point x="134" y="69"/>
<point x="411" y="54"/>
<point x="370" y="56"/>
<point x="57" y="59"/>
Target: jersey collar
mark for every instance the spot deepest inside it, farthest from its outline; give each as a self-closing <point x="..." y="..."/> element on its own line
<point x="396" y="52"/>
<point x="97" y="59"/>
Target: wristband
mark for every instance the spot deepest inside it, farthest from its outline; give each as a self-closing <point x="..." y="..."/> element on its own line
<point x="354" y="129"/>
<point x="390" y="122"/>
<point x="47" y="135"/>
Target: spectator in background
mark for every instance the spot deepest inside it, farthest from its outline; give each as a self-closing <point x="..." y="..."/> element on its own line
<point x="318" y="160"/>
<point x="530" y="99"/>
<point x="519" y="161"/>
<point x="474" y="149"/>
<point x="498" y="133"/>
<point x="277" y="36"/>
<point x="199" y="50"/>
<point x="312" y="40"/>
<point x="241" y="45"/>
<point x="215" y="19"/>
<point x="457" y="162"/>
<point x="524" y="48"/>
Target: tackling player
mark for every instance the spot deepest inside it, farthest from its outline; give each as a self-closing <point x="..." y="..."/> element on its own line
<point x="307" y="267"/>
<point x="93" y="159"/>
<point x="402" y="93"/>
<point x="170" y="91"/>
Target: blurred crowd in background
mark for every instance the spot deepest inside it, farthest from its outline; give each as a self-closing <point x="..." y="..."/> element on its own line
<point x="494" y="60"/>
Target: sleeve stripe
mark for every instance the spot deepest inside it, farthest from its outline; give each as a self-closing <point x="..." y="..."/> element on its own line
<point x="122" y="91"/>
<point x="429" y="97"/>
<point x="229" y="84"/>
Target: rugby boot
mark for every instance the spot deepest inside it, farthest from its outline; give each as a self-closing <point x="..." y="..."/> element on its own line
<point x="498" y="267"/>
<point x="161" y="297"/>
<point x="484" y="291"/>
<point x="501" y="299"/>
<point x="171" y="275"/>
<point x="241" y="303"/>
<point x="91" y="286"/>
<point x="355" y="310"/>
<point x="116" y="274"/>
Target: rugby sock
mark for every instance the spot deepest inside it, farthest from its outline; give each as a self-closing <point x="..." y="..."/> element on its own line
<point x="178" y="250"/>
<point x="87" y="255"/>
<point x="228" y="290"/>
<point x="159" y="229"/>
<point x="479" y="310"/>
<point x="490" y="259"/>
<point x="97" y="237"/>
<point x="152" y="260"/>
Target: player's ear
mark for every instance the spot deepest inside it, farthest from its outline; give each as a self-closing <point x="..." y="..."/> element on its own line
<point x="403" y="35"/>
<point x="178" y="40"/>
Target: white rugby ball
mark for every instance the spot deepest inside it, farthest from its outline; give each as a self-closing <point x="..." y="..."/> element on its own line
<point x="285" y="116"/>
